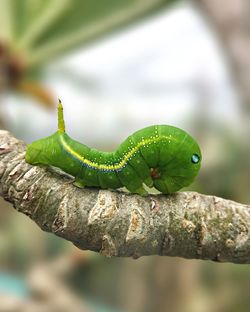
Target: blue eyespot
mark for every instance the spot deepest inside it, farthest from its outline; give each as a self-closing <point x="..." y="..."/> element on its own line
<point x="195" y="158"/>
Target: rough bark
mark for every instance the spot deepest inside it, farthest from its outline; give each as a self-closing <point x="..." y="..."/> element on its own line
<point x="185" y="224"/>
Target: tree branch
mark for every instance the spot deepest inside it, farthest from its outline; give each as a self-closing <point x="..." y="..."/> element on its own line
<point x="184" y="224"/>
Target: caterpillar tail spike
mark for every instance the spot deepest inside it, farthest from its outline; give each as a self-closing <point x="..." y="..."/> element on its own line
<point x="160" y="156"/>
<point x="61" y="124"/>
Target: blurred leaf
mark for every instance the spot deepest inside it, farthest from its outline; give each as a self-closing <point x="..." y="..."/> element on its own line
<point x="42" y="94"/>
<point x="34" y="32"/>
<point x="6" y="21"/>
<point x="63" y="24"/>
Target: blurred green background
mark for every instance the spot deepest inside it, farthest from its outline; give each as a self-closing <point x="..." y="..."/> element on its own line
<point x="120" y="66"/>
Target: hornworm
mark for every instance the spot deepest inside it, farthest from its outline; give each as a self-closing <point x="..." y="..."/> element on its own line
<point x="160" y="156"/>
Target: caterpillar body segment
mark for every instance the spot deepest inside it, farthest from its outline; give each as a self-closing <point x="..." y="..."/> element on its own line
<point x="160" y="156"/>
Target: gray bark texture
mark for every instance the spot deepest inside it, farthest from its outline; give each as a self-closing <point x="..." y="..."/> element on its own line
<point x="185" y="224"/>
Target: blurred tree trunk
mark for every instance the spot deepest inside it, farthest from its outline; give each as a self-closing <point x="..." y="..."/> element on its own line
<point x="230" y="20"/>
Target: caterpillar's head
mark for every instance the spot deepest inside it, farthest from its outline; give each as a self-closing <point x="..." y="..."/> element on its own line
<point x="186" y="163"/>
<point x="42" y="151"/>
<point x="180" y="163"/>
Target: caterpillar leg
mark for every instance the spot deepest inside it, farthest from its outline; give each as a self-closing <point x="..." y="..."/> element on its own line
<point x="79" y="183"/>
<point x="163" y="182"/>
<point x="131" y="180"/>
<point x="161" y="186"/>
<point x="140" y="191"/>
<point x="149" y="182"/>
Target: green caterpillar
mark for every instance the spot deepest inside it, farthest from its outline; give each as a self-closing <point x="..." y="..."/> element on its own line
<point x="163" y="157"/>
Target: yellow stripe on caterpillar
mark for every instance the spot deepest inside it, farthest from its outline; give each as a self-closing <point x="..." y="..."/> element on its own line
<point x="117" y="166"/>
